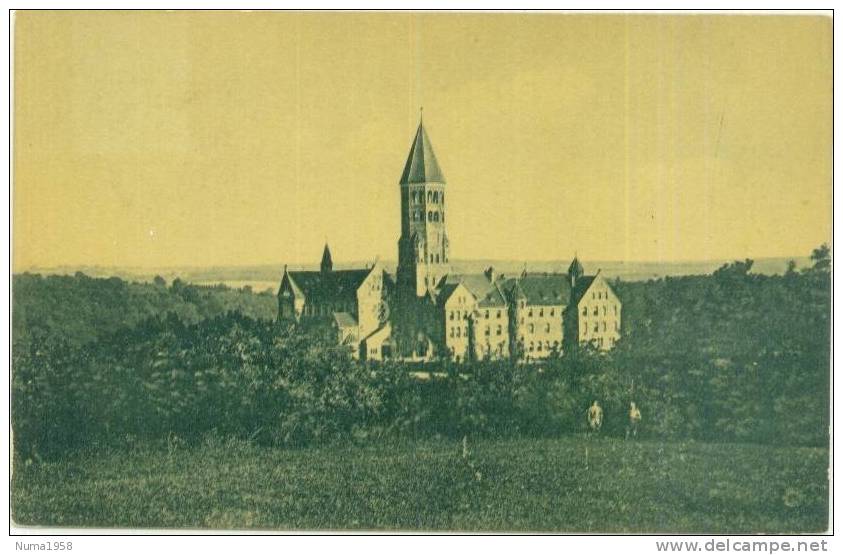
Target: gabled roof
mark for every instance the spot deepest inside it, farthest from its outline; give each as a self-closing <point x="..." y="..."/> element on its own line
<point x="295" y="288"/>
<point x="486" y="292"/>
<point x="444" y="292"/>
<point x="540" y="289"/>
<point x="421" y="166"/>
<point x="581" y="286"/>
<point x="328" y="285"/>
<point x="494" y="298"/>
<point x="344" y="320"/>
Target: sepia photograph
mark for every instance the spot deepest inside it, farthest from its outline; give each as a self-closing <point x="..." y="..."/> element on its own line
<point x="421" y="272"/>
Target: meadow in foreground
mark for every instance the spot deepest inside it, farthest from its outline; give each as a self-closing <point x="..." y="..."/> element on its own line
<point x="574" y="484"/>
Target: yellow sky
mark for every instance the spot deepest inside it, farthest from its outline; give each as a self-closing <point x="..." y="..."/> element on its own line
<point x="156" y="139"/>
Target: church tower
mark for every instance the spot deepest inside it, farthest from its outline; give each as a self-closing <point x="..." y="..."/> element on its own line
<point x="423" y="247"/>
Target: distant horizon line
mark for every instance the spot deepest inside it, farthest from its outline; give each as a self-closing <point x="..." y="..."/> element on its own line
<point x="395" y="261"/>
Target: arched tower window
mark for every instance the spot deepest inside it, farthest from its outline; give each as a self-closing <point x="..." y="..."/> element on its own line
<point x="435" y="197"/>
<point x="429" y="196"/>
<point x="436" y="216"/>
<point x="437" y="258"/>
<point x="430" y="216"/>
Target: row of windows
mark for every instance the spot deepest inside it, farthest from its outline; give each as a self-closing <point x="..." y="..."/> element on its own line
<point x="456" y="314"/>
<point x="538" y="346"/>
<point x="596" y="310"/>
<point x="599" y="294"/>
<point x="432" y="258"/>
<point x="532" y="328"/>
<point x="602" y="341"/>
<point x="488" y="331"/>
<point x="418" y="216"/>
<point x="457" y="331"/>
<point x="500" y="348"/>
<point x="597" y="326"/>
<point x="551" y="312"/>
<point x="432" y="196"/>
<point x="433" y="280"/>
<point x="461" y="300"/>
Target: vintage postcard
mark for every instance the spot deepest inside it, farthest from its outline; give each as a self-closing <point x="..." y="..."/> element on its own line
<point x="421" y="272"/>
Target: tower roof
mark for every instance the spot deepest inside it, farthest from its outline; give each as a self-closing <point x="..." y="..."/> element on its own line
<point x="575" y="269"/>
<point x="421" y="166"/>
<point x="327" y="264"/>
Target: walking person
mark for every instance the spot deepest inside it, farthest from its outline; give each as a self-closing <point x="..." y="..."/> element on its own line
<point x="634" y="420"/>
<point x="595" y="417"/>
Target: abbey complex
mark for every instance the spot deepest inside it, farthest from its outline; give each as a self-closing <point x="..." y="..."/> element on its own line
<point x="426" y="312"/>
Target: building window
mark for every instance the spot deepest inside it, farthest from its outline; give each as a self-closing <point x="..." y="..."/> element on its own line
<point x="585" y="311"/>
<point x="532" y="348"/>
<point x="466" y="331"/>
<point x="487" y="314"/>
<point x="442" y="197"/>
<point x="539" y="347"/>
<point x="604" y="325"/>
<point x="499" y="330"/>
<point x="530" y="313"/>
<point x="547" y="328"/>
<point x="443" y="217"/>
<point x="585" y="329"/>
<point x="530" y="328"/>
<point x="488" y="332"/>
<point x="541" y="313"/>
<point x="596" y="311"/>
<point x="605" y="310"/>
<point x="616" y="310"/>
<point x="551" y="311"/>
<point x="458" y="332"/>
<point x="451" y="315"/>
<point x="596" y="327"/>
<point x="429" y="196"/>
<point x="452" y="332"/>
<point x="437" y="261"/>
<point x="430" y="216"/>
<point x="499" y="313"/>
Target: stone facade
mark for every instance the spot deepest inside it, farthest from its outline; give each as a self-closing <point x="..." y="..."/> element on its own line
<point x="426" y="312"/>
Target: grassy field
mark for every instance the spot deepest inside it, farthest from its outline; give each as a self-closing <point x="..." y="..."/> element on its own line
<point x="518" y="485"/>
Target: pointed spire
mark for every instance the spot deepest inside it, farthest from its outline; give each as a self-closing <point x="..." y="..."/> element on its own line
<point x="575" y="270"/>
<point x="421" y="166"/>
<point x="327" y="264"/>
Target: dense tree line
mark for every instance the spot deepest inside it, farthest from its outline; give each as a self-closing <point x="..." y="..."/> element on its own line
<point x="82" y="309"/>
<point x="730" y="357"/>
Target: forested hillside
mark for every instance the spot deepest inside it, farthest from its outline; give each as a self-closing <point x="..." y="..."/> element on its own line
<point x="733" y="356"/>
<point x="81" y="309"/>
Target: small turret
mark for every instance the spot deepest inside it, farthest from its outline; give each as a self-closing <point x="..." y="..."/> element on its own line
<point x="575" y="271"/>
<point x="490" y="274"/>
<point x="327" y="264"/>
